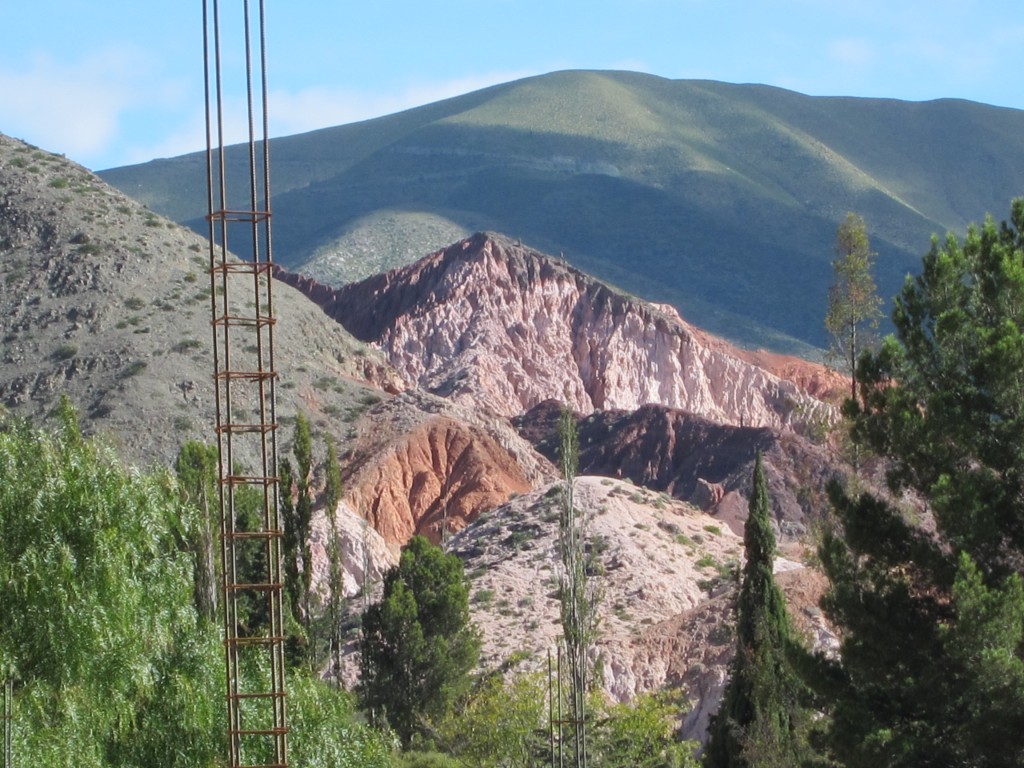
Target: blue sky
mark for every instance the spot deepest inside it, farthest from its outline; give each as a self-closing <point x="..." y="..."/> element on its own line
<point x="113" y="82"/>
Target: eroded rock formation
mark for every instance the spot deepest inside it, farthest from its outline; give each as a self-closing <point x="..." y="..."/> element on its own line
<point x="493" y="323"/>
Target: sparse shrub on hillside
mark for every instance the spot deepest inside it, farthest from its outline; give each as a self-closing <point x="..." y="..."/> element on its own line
<point x="186" y="344"/>
<point x="65" y="352"/>
<point x="133" y="369"/>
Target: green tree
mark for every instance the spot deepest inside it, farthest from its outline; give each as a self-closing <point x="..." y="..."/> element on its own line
<point x="418" y="646"/>
<point x="113" y="665"/>
<point x="930" y="667"/>
<point x="296" y="501"/>
<point x="578" y="594"/>
<point x="325" y="732"/>
<point x="640" y="734"/>
<point x="196" y="469"/>
<point x="503" y="723"/>
<point x="335" y="608"/>
<point x="854" y="306"/>
<point x="761" y="719"/>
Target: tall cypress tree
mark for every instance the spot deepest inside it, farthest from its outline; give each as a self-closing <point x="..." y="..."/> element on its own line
<point x="760" y="719"/>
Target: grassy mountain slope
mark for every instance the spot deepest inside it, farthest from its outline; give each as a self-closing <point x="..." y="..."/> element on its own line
<point x="720" y="199"/>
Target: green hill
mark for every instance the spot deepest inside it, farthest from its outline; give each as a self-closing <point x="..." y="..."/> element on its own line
<point x="720" y="199"/>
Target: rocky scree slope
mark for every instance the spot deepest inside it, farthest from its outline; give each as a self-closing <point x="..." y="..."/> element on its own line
<point x="666" y="576"/>
<point x="109" y="304"/>
<point x="489" y="322"/>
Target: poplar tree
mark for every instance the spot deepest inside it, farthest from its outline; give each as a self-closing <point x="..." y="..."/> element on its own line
<point x="196" y="469"/>
<point x="760" y="721"/>
<point x="578" y="594"/>
<point x="296" y="505"/>
<point x="335" y="563"/>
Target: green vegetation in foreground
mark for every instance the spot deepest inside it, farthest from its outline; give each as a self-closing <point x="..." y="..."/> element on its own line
<point x="113" y="666"/>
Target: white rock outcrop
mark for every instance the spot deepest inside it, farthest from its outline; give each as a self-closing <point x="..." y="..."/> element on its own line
<point x="489" y="322"/>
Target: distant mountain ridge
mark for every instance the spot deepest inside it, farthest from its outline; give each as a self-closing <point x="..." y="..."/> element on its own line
<point x="722" y="200"/>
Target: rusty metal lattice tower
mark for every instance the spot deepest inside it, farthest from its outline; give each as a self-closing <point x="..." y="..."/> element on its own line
<point x="241" y="302"/>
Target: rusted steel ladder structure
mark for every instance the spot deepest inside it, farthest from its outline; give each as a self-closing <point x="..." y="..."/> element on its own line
<point x="242" y="310"/>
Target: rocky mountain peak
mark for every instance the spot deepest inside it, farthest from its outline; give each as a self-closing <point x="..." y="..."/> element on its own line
<point x="492" y="322"/>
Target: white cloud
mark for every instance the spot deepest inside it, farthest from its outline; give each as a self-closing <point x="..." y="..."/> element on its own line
<point x="852" y="52"/>
<point x="77" y="107"/>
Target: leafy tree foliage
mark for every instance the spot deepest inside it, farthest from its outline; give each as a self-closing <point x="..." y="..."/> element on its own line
<point x="99" y="629"/>
<point x="503" y="723"/>
<point x="335" y="565"/>
<point x="196" y="468"/>
<point x="296" y="503"/>
<point x="418" y="646"/>
<point x="114" y="666"/>
<point x="933" y="623"/>
<point x="324" y="730"/>
<point x="854" y="307"/>
<point x="640" y="734"/>
<point x="761" y="720"/>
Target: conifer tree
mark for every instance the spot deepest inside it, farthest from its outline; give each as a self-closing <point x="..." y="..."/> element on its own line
<point x="759" y="722"/>
<point x="854" y="307"/>
<point x="932" y="661"/>
<point x="418" y="646"/>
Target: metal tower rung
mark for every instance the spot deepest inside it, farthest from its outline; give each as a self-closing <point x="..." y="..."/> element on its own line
<point x="265" y="586"/>
<point x="243" y="268"/>
<point x="257" y="731"/>
<point x="242" y="535"/>
<point x="252" y="217"/>
<point x="250" y="696"/>
<point x="253" y="640"/>
<point x="243" y="321"/>
<point x="245" y="375"/>
<point x="249" y="480"/>
<point x="243" y="429"/>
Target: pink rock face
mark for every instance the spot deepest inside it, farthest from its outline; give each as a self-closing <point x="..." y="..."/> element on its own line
<point x="489" y="322"/>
